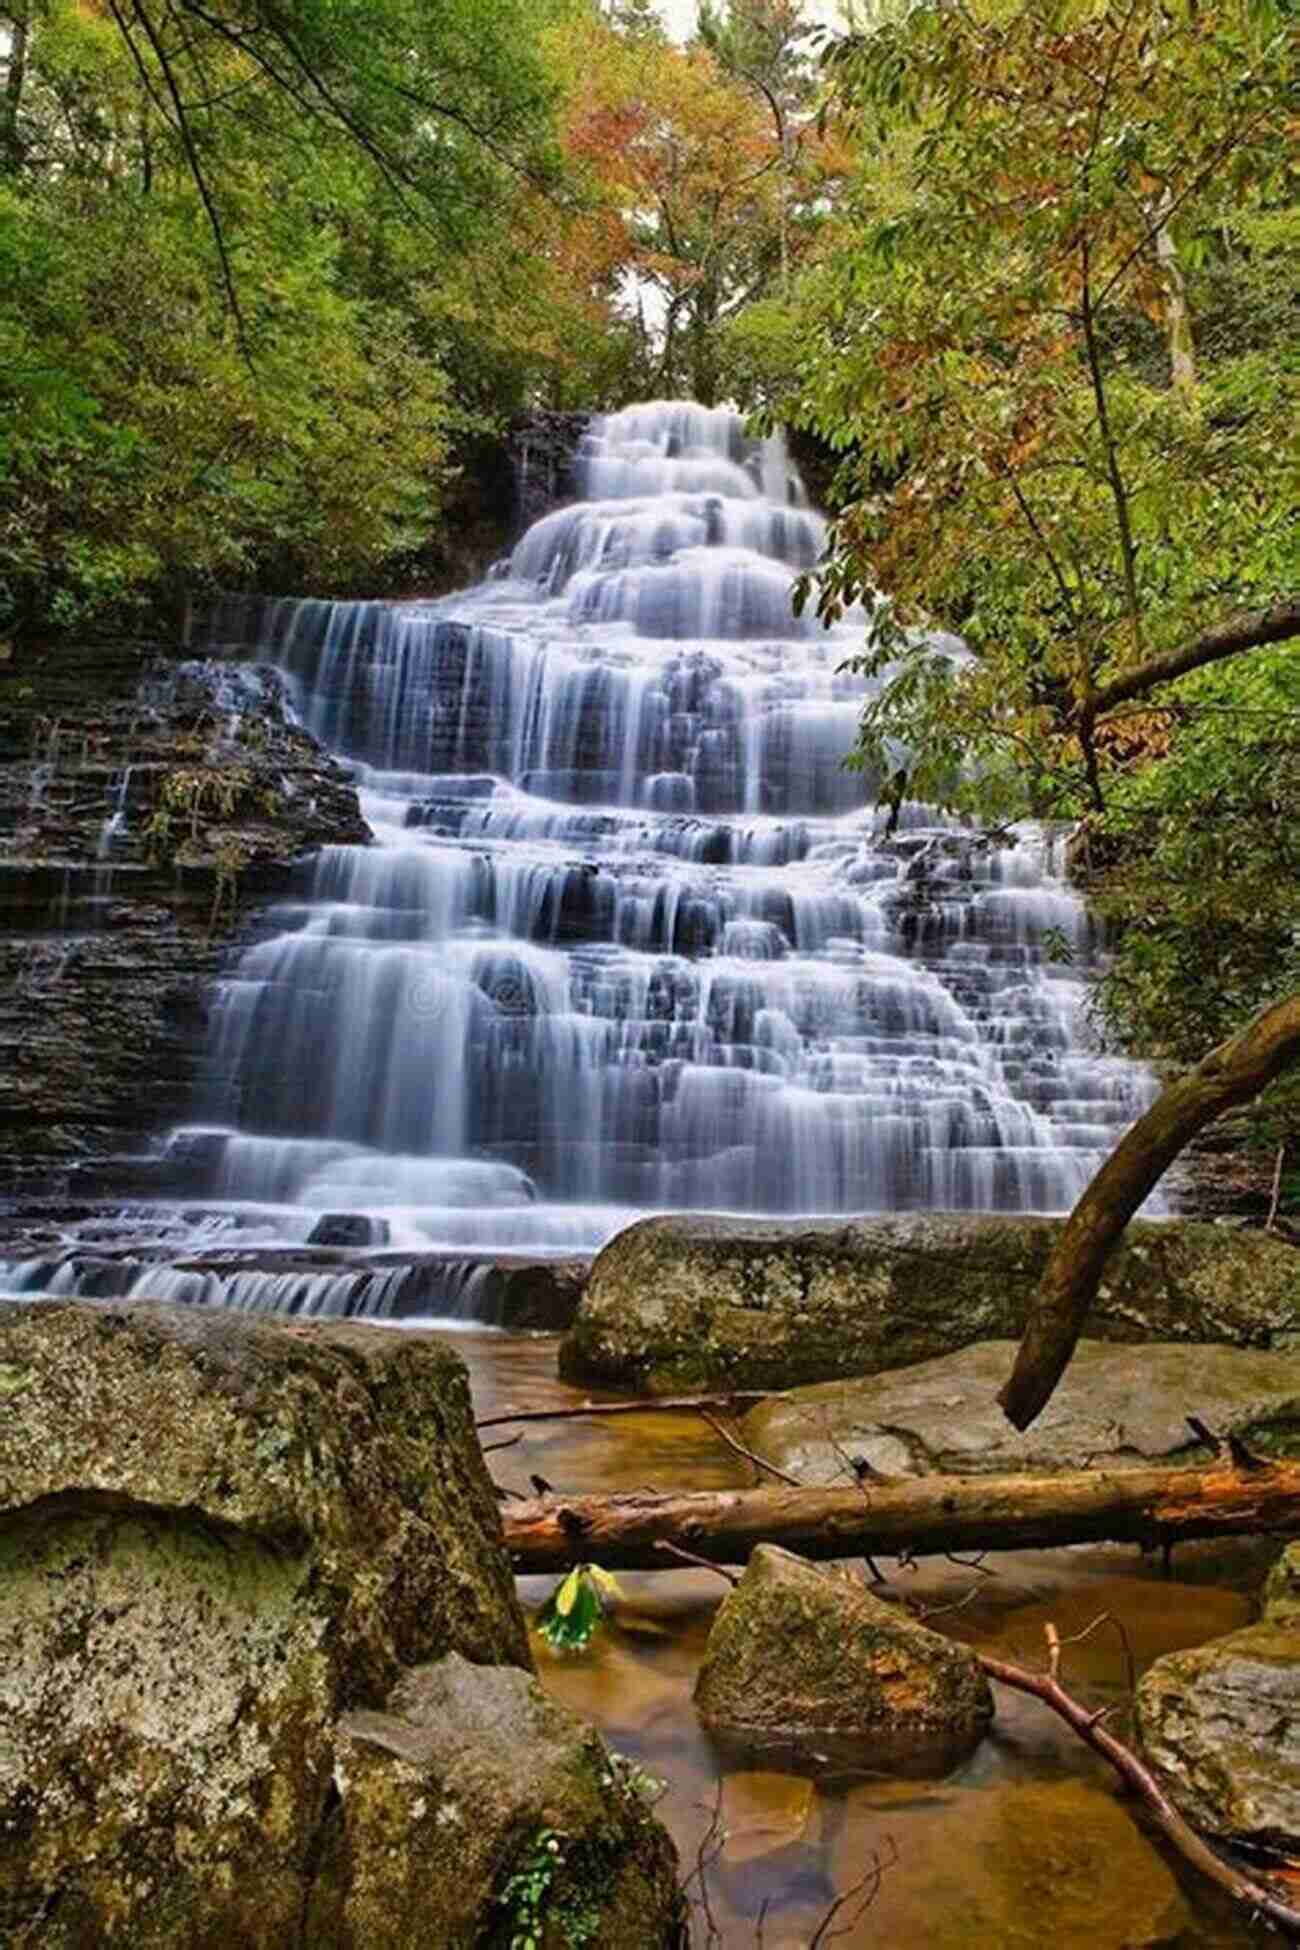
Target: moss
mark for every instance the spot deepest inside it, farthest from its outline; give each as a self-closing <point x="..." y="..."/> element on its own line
<point x="684" y="1303"/>
<point x="215" y="1535"/>
<point x="799" y="1655"/>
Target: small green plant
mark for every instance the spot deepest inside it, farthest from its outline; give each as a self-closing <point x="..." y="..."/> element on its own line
<point x="1056" y="946"/>
<point x="527" y="1899"/>
<point x="627" y="1777"/>
<point x="572" y="1615"/>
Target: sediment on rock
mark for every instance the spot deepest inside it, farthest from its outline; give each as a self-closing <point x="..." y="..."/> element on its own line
<point x="1118" y="1407"/>
<point x="1220" y="1726"/>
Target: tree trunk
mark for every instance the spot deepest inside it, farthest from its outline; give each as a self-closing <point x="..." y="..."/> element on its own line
<point x="641" y="1531"/>
<point x="15" y="80"/>
<point x="1232" y="1074"/>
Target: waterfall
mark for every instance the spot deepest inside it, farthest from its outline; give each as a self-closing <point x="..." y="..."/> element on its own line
<point x="631" y="937"/>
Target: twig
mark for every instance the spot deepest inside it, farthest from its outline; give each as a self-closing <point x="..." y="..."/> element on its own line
<point x="650" y="1405"/>
<point x="1102" y="1618"/>
<point x="508" y="1443"/>
<point x="870" y="1884"/>
<point x="704" y="1563"/>
<point x="1241" y="1888"/>
<point x="759" y="1462"/>
<point x="1275" y="1200"/>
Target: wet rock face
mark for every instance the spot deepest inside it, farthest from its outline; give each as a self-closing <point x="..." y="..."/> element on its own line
<point x="470" y="1778"/>
<point x="216" y="1535"/>
<point x="543" y="449"/>
<point x="1221" y="1725"/>
<point x="1117" y="1407"/>
<point x="145" y="801"/>
<point x="684" y="1302"/>
<point x="801" y="1658"/>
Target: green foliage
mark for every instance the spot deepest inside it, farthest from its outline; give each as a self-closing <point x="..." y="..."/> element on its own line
<point x="1052" y="336"/>
<point x="1196" y="867"/>
<point x="573" y="1613"/>
<point x="260" y="278"/>
<point x="1046" y="196"/>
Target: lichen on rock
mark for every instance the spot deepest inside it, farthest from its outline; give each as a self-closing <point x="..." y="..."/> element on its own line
<point x="1220" y="1725"/>
<point x="474" y="1810"/>
<point x="682" y="1302"/>
<point x="803" y="1659"/>
<point x="216" y="1534"/>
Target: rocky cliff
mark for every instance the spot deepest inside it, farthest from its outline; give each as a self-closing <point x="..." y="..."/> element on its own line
<point x="148" y="805"/>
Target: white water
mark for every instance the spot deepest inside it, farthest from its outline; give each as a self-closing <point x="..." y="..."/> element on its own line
<point x="630" y="938"/>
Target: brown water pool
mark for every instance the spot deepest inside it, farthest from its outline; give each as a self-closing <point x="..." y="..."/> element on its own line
<point x="1028" y="1843"/>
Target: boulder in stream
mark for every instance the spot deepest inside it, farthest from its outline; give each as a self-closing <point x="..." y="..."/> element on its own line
<point x="687" y="1302"/>
<point x="806" y="1661"/>
<point x="474" y="1808"/>
<point x="216" y="1535"/>
<point x="1220" y="1725"/>
<point x="1126" y="1407"/>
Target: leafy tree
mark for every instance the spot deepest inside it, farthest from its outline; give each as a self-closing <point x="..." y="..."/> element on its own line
<point x="1053" y="339"/>
<point x="686" y="164"/>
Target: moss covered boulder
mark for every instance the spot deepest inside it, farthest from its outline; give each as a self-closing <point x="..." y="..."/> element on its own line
<point x="475" y="1811"/>
<point x="216" y="1535"/>
<point x="1124" y="1407"/>
<point x="1220" y="1725"/>
<point x="699" y="1302"/>
<point x="806" y="1660"/>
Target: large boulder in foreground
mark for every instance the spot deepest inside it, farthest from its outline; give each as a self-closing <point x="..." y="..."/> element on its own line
<point x="216" y="1534"/>
<point x="473" y="1809"/>
<point x="802" y="1659"/>
<point x="683" y="1302"/>
<point x="1124" y="1407"/>
<point x="1220" y="1725"/>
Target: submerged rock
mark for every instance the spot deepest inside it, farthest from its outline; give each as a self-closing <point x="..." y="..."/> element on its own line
<point x="473" y="1803"/>
<point x="216" y="1534"/>
<point x="803" y="1659"/>
<point x="1121" y="1406"/>
<point x="1220" y="1725"/>
<point x="702" y="1302"/>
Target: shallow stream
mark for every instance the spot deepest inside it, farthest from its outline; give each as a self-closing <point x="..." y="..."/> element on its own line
<point x="1028" y="1843"/>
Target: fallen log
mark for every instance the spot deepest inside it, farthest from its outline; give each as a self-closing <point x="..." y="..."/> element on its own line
<point x="911" y="1517"/>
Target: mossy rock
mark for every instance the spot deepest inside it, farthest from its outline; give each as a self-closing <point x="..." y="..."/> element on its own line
<point x="1220" y="1725"/>
<point x="684" y="1302"/>
<point x="474" y="1809"/>
<point x="216" y="1534"/>
<point x="806" y="1661"/>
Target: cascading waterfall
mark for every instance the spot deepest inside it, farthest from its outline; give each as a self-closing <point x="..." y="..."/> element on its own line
<point x="629" y="938"/>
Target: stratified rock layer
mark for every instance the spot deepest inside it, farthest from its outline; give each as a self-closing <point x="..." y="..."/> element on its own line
<point x="144" y="802"/>
<point x="470" y="1777"/>
<point x="1220" y="1725"/>
<point x="800" y="1657"/>
<point x="683" y="1302"/>
<point x="1116" y="1407"/>
<point x="216" y="1534"/>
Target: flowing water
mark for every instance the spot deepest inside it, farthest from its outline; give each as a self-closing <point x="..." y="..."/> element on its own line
<point x="1026" y="1844"/>
<point x="630" y="937"/>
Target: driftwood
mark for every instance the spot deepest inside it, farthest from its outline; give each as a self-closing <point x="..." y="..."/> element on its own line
<point x="734" y="1404"/>
<point x="1243" y="1889"/>
<point x="1232" y="1074"/>
<point x="1150" y="1507"/>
